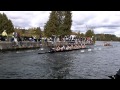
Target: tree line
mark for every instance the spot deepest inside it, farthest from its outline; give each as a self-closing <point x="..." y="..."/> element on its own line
<point x="31" y="32"/>
<point x="98" y="37"/>
<point x="107" y="37"/>
<point x="6" y="24"/>
<point x="59" y="23"/>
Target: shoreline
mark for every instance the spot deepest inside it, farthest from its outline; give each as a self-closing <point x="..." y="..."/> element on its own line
<point x="26" y="45"/>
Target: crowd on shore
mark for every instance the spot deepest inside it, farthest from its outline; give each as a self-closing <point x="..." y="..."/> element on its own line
<point x="17" y="39"/>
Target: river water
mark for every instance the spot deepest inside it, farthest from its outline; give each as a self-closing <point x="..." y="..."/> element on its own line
<point x="97" y="63"/>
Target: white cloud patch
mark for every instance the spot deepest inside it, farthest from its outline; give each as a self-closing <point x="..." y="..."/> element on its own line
<point x="28" y="19"/>
<point x="102" y="21"/>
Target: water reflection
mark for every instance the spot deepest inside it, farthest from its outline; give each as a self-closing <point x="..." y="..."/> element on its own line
<point x="59" y="65"/>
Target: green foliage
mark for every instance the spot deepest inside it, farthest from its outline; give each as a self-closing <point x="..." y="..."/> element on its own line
<point x="82" y="35"/>
<point x="89" y="33"/>
<point x="21" y="32"/>
<point x="78" y="34"/>
<point x="51" y="26"/>
<point x="106" y="37"/>
<point x="5" y="24"/>
<point x="59" y="23"/>
<point x="34" y="32"/>
<point x="30" y="32"/>
<point x="66" y="25"/>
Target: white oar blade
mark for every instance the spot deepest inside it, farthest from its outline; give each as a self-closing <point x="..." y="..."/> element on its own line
<point x="82" y="50"/>
<point x="89" y="50"/>
<point x="42" y="49"/>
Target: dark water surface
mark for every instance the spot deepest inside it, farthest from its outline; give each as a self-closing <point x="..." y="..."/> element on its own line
<point x="98" y="63"/>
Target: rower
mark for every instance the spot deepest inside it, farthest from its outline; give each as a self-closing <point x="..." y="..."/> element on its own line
<point x="52" y="49"/>
<point x="67" y="47"/>
<point x="58" y="48"/>
<point x="72" y="47"/>
<point x="79" y="46"/>
<point x="62" y="48"/>
<point x="76" y="47"/>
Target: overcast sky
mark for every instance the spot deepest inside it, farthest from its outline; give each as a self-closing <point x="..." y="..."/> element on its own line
<point x="107" y="22"/>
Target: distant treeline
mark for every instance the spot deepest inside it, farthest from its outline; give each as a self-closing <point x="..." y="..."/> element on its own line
<point x="98" y="37"/>
<point x="106" y="37"/>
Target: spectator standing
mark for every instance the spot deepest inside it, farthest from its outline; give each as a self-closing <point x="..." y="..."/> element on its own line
<point x="4" y="35"/>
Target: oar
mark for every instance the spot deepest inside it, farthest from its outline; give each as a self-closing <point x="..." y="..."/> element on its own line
<point x="46" y="52"/>
<point x="82" y="50"/>
<point x="43" y="52"/>
<point x="42" y="49"/>
<point x="89" y="49"/>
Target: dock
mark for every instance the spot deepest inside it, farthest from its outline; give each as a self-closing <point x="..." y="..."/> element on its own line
<point x="11" y="46"/>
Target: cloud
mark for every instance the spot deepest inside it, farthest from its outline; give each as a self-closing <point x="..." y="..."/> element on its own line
<point x="101" y="21"/>
<point x="28" y="19"/>
<point x="117" y="33"/>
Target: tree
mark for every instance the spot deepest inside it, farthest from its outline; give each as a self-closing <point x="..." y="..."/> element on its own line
<point x="106" y="37"/>
<point x="10" y="27"/>
<point x="59" y="23"/>
<point x="78" y="34"/>
<point x="65" y="26"/>
<point x="82" y="34"/>
<point x="60" y="17"/>
<point x="34" y="32"/>
<point x="38" y="32"/>
<point x="52" y="25"/>
<point x="6" y="24"/>
<point x="1" y="20"/>
<point x="89" y="33"/>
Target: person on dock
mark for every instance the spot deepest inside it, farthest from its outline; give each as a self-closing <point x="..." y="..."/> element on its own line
<point x="4" y="35"/>
<point x="15" y="38"/>
<point x="19" y="39"/>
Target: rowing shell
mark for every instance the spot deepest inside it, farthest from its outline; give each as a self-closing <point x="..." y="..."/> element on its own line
<point x="61" y="51"/>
